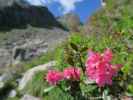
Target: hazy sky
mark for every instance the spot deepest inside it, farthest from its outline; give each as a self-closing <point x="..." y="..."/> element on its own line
<point x="83" y="8"/>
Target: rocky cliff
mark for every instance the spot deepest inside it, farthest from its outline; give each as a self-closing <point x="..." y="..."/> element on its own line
<point x="18" y="15"/>
<point x="26" y="31"/>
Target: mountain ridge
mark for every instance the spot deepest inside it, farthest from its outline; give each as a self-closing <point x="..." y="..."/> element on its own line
<point x="24" y="25"/>
<point x="18" y="16"/>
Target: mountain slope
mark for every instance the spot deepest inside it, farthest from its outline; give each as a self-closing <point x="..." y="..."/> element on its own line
<point x="116" y="16"/>
<point x="19" y="16"/>
<point x="26" y="32"/>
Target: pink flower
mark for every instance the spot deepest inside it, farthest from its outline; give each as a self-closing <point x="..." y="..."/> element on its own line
<point x="72" y="73"/>
<point x="93" y="57"/>
<point x="53" y="77"/>
<point x="107" y="55"/>
<point x="99" y="68"/>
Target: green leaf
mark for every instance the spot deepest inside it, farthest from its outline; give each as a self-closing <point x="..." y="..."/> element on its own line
<point x="49" y="89"/>
<point x="106" y="95"/>
<point x="70" y="61"/>
<point x="84" y="49"/>
<point x="74" y="46"/>
<point x="130" y="88"/>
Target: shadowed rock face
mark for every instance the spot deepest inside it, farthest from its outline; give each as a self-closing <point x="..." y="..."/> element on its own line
<point x="4" y="3"/>
<point x="19" y="15"/>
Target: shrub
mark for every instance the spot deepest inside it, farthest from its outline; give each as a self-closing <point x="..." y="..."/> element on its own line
<point x="75" y="54"/>
<point x="67" y="55"/>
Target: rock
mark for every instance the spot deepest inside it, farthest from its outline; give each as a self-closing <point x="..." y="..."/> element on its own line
<point x="6" y="2"/>
<point x="1" y="85"/>
<point x="1" y="82"/>
<point x="26" y="31"/>
<point x="71" y="22"/>
<point x="30" y="49"/>
<point x="5" y="57"/>
<point x="20" y="14"/>
<point x="7" y="84"/>
<point x="30" y="43"/>
<point x="103" y="3"/>
<point x="12" y="93"/>
<point x="31" y="72"/>
<point x="29" y="97"/>
<point x="7" y="79"/>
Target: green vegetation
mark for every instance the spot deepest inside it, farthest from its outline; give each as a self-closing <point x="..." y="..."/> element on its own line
<point x="115" y="18"/>
<point x="122" y="55"/>
<point x="37" y="86"/>
<point x="48" y="56"/>
<point x="112" y="27"/>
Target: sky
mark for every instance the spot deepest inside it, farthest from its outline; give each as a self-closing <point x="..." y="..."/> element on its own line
<point x="83" y="8"/>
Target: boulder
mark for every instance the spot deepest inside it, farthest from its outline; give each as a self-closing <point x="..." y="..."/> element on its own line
<point x="7" y="85"/>
<point x="29" y="97"/>
<point x="1" y="85"/>
<point x="6" y="79"/>
<point x="31" y="72"/>
<point x="5" y="57"/>
<point x="12" y="93"/>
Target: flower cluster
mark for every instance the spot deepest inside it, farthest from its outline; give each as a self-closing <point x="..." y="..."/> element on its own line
<point x="100" y="69"/>
<point x="71" y="73"/>
<point x="53" y="77"/>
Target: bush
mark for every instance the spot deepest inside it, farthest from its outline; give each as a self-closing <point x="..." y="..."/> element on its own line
<point x="65" y="56"/>
<point x="122" y="55"/>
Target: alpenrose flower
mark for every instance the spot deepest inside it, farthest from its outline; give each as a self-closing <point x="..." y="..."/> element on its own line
<point x="72" y="73"/>
<point x="100" y="69"/>
<point x="54" y="77"/>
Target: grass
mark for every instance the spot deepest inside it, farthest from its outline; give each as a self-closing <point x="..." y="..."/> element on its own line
<point x="37" y="86"/>
<point x="14" y="98"/>
<point x="45" y="58"/>
<point x="122" y="55"/>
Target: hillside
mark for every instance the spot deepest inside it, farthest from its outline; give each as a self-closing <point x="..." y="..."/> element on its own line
<point x="115" y="17"/>
<point x="26" y="31"/>
<point x="48" y="58"/>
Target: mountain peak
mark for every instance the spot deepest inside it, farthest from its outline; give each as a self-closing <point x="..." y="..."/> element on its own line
<point x="19" y="14"/>
<point x="5" y="3"/>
